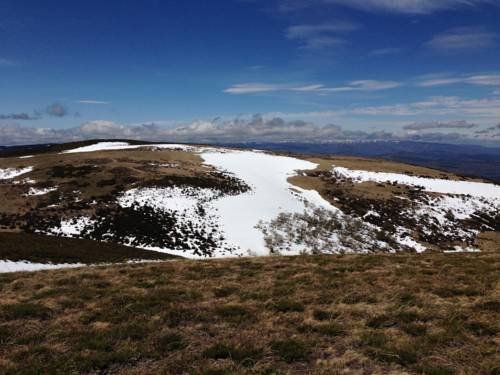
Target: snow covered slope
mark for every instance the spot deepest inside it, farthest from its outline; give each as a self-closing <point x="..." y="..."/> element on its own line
<point x="271" y="194"/>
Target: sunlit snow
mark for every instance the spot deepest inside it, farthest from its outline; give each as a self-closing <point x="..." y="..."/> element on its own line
<point x="477" y="189"/>
<point x="9" y="173"/>
<point x="17" y="266"/>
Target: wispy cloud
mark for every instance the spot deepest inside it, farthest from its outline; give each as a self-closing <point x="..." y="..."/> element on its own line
<point x="360" y="85"/>
<point x="89" y="101"/>
<point x="437" y="106"/>
<point x="384" y="51"/>
<point x="367" y="85"/>
<point x="408" y="6"/>
<point x="6" y="62"/>
<point x="481" y="111"/>
<point x="477" y="79"/>
<point x="464" y="38"/>
<point x="320" y="36"/>
<point x="306" y="31"/>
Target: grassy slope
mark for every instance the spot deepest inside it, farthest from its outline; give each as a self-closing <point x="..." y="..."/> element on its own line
<point x="432" y="313"/>
<point x="48" y="249"/>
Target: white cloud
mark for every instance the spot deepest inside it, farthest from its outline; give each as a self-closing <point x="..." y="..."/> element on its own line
<point x="408" y="6"/>
<point x="437" y="106"/>
<point x="252" y="88"/>
<point x="90" y="101"/>
<point x="483" y="111"/>
<point x="464" y="38"/>
<point x="479" y="80"/>
<point x="366" y="85"/>
<point x="360" y="85"/>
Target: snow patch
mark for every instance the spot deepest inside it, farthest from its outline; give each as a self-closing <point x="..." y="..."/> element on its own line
<point x="404" y="238"/>
<point x="35" y="191"/>
<point x="476" y="189"/>
<point x="17" y="266"/>
<point x="9" y="173"/>
<point x="459" y="249"/>
<point x="111" y="146"/>
<point x="71" y="227"/>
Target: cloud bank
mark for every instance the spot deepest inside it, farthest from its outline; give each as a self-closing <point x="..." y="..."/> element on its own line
<point x="255" y="129"/>
<point x="440" y="125"/>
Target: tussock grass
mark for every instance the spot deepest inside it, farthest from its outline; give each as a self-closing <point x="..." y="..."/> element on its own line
<point x="417" y="314"/>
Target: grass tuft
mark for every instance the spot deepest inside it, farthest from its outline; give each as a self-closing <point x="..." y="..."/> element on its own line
<point x="291" y="350"/>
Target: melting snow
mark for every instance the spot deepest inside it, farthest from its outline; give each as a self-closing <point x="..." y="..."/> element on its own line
<point x="170" y="198"/>
<point x="403" y="237"/>
<point x="459" y="249"/>
<point x="477" y="189"/>
<point x="109" y="146"/>
<point x="9" y="173"/>
<point x="71" y="227"/>
<point x="17" y="266"/>
<point x="35" y="191"/>
<point x="271" y="194"/>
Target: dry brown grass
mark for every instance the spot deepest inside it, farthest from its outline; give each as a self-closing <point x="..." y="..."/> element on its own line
<point x="89" y="177"/>
<point x="380" y="165"/>
<point x="430" y="314"/>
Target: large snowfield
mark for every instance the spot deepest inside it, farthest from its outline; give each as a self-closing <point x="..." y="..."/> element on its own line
<point x="271" y="194"/>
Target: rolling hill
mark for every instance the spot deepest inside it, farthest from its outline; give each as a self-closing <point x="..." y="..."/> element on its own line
<point x="204" y="202"/>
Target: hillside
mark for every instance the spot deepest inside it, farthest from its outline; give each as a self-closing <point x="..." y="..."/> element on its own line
<point x="200" y="201"/>
<point x="414" y="314"/>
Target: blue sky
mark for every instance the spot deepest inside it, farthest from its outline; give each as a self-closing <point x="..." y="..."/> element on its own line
<point x="404" y="67"/>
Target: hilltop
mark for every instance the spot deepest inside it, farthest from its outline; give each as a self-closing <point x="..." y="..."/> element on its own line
<point x="202" y="201"/>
